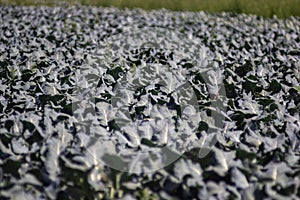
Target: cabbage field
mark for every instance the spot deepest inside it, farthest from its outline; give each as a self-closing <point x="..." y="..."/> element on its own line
<point x="107" y="103"/>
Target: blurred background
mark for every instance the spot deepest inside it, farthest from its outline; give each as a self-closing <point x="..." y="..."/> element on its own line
<point x="266" y="8"/>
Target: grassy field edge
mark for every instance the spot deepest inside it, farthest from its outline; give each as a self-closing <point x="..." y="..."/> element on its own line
<point x="265" y="8"/>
